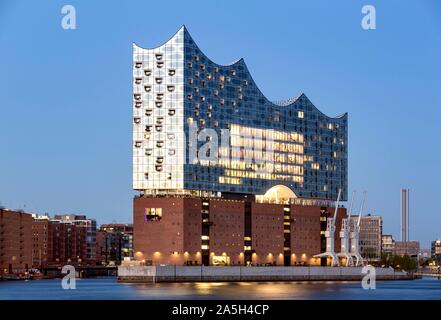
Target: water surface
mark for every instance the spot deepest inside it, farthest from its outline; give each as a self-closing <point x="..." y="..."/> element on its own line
<point x="110" y="289"/>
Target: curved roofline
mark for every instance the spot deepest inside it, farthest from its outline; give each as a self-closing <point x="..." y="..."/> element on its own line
<point x="168" y="40"/>
<point x="242" y="61"/>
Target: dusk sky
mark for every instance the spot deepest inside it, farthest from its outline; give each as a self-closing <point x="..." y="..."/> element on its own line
<point x="65" y="95"/>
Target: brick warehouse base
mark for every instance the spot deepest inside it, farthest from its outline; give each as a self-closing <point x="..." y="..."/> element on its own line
<point x="195" y="231"/>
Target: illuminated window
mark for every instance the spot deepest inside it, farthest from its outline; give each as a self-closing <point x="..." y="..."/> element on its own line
<point x="153" y="214"/>
<point x="301" y="114"/>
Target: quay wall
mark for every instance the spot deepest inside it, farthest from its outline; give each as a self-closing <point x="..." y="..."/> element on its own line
<point x="173" y="273"/>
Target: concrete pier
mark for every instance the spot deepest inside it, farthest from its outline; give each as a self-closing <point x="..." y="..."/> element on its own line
<point x="239" y="273"/>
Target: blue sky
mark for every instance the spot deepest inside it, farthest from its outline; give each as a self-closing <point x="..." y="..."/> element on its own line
<point x="65" y="95"/>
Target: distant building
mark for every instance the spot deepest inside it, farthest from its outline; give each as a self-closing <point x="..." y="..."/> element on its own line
<point x="404" y="215"/>
<point x="387" y="244"/>
<point x="43" y="243"/>
<point x="85" y="240"/>
<point x="436" y="249"/>
<point x="15" y="241"/>
<point x="371" y="231"/>
<point x="114" y="243"/>
<point x="424" y="254"/>
<point x="409" y="248"/>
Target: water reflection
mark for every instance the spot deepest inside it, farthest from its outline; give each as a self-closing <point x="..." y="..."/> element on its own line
<point x="109" y="288"/>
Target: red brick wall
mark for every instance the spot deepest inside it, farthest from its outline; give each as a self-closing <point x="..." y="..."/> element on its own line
<point x="227" y="231"/>
<point x="267" y="233"/>
<point x="156" y="241"/>
<point x="180" y="231"/>
<point x="42" y="243"/>
<point x="15" y="241"/>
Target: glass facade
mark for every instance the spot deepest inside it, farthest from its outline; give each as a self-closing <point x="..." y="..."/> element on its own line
<point x="182" y="101"/>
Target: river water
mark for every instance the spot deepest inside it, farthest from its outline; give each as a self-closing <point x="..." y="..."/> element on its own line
<point x="110" y="289"/>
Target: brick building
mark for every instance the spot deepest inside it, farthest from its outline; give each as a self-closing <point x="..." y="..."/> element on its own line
<point x="114" y="243"/>
<point x="15" y="241"/>
<point x="184" y="230"/>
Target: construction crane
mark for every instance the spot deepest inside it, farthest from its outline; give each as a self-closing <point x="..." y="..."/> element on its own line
<point x="355" y="235"/>
<point x="344" y="235"/>
<point x="329" y="234"/>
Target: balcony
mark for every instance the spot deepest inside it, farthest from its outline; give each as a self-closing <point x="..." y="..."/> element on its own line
<point x="138" y="144"/>
<point x="148" y="72"/>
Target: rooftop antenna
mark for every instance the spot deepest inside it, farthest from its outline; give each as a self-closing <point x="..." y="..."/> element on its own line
<point x="355" y="235"/>
<point x="344" y="235"/>
<point x="329" y="234"/>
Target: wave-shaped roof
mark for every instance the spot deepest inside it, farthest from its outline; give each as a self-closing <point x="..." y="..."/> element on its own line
<point x="290" y="102"/>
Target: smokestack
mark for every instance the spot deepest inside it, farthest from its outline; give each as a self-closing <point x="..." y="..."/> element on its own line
<point x="405" y="215"/>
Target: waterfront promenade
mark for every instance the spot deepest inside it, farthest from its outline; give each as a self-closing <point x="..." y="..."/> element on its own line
<point x="240" y="273"/>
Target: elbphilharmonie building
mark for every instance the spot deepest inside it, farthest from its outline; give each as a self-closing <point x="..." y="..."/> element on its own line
<point x="226" y="176"/>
